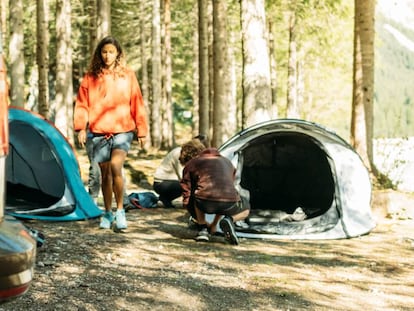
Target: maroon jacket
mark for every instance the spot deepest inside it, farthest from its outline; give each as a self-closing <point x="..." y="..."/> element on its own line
<point x="210" y="176"/>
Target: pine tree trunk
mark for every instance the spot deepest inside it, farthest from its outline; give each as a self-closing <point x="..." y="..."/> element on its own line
<point x="167" y="118"/>
<point x="257" y="96"/>
<point x="156" y="76"/>
<point x="196" y="74"/>
<point x="292" y="108"/>
<point x="16" y="54"/>
<point x="221" y="72"/>
<point x="203" y="68"/>
<point x="363" y="81"/>
<point x="231" y="124"/>
<point x="103" y="21"/>
<point x="273" y="73"/>
<point x="64" y="86"/>
<point x="93" y="40"/>
<point x="42" y="56"/>
<point x="144" y="66"/>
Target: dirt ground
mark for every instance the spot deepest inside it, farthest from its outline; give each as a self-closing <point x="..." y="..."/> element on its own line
<point x="156" y="265"/>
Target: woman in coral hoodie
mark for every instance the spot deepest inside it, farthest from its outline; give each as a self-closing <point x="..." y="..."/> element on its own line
<point x="110" y="104"/>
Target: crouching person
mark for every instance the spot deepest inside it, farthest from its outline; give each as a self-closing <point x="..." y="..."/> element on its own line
<point x="208" y="183"/>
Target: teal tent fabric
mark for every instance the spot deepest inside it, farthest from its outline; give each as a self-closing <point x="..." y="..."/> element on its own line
<point x="43" y="178"/>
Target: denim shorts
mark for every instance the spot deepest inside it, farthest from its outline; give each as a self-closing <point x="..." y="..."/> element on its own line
<point x="104" y="144"/>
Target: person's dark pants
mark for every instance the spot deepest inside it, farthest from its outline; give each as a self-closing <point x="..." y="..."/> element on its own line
<point x="168" y="190"/>
<point x="221" y="208"/>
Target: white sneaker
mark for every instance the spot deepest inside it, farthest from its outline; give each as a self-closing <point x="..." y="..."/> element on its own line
<point x="120" y="218"/>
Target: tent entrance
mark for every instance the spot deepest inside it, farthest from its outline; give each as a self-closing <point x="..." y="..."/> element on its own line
<point x="285" y="171"/>
<point x="35" y="177"/>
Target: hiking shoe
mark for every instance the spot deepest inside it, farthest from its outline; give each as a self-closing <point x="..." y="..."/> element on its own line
<point x="202" y="235"/>
<point x="106" y="220"/>
<point x="227" y="226"/>
<point x="120" y="219"/>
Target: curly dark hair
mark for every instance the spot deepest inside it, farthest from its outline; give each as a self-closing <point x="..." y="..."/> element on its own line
<point x="97" y="63"/>
<point x="190" y="150"/>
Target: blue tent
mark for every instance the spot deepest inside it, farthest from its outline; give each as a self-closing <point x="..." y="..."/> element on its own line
<point x="42" y="172"/>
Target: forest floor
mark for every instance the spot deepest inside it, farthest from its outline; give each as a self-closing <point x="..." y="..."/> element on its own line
<point x="156" y="264"/>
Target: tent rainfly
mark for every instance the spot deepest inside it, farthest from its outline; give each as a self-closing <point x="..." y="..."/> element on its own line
<point x="42" y="172"/>
<point x="302" y="181"/>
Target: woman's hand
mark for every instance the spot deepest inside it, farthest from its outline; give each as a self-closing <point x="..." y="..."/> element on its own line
<point x="82" y="138"/>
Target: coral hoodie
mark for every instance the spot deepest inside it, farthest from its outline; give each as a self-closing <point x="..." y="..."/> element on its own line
<point x="110" y="104"/>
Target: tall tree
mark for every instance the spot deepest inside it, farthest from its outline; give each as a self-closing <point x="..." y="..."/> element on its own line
<point x="292" y="109"/>
<point x="93" y="40"/>
<point x="203" y="68"/>
<point x="156" y="76"/>
<point x="273" y="71"/>
<point x="362" y="119"/>
<point x="257" y="95"/>
<point x="210" y="68"/>
<point x="16" y="53"/>
<point x="233" y="117"/>
<point x="144" y="83"/>
<point x="64" y="86"/>
<point x="103" y="20"/>
<point x="42" y="55"/>
<point x="222" y="90"/>
<point x="167" y="109"/>
<point x="196" y="73"/>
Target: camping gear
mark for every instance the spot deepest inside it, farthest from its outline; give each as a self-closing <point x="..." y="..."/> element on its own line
<point x="143" y="199"/>
<point x="42" y="172"/>
<point x="302" y="181"/>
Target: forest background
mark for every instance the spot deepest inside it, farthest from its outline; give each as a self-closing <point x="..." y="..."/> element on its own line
<point x="310" y="53"/>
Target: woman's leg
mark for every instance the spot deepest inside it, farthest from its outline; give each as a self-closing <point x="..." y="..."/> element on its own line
<point x="107" y="191"/>
<point x="117" y="163"/>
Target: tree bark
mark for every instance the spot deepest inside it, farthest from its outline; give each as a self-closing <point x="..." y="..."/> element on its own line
<point x="257" y="95"/>
<point x="16" y="53"/>
<point x="168" y="125"/>
<point x="93" y="40"/>
<point x="221" y="72"/>
<point x="292" y="110"/>
<point x="273" y="73"/>
<point x="42" y="56"/>
<point x="64" y="86"/>
<point x="144" y="83"/>
<point x="363" y="81"/>
<point x="203" y="68"/>
<point x="103" y="20"/>
<point x="196" y="74"/>
<point x="156" y="76"/>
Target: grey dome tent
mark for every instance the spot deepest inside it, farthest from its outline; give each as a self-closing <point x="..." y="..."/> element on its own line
<point x="42" y="173"/>
<point x="302" y="181"/>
